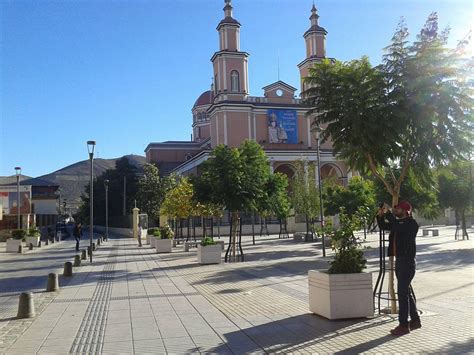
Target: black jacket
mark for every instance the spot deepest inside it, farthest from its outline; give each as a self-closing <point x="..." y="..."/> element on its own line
<point x="402" y="231"/>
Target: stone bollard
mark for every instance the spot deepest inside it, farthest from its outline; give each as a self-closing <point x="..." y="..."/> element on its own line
<point x="26" y="306"/>
<point x="89" y="250"/>
<point x="98" y="241"/>
<point x="46" y="242"/>
<point x="20" y="249"/>
<point x="93" y="246"/>
<point x="77" y="260"/>
<point x="53" y="283"/>
<point x="83" y="255"/>
<point x="30" y="246"/>
<point x="67" y="269"/>
<point x="39" y="244"/>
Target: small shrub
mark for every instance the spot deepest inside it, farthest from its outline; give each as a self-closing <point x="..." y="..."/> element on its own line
<point x="18" y="234"/>
<point x="348" y="258"/>
<point x="207" y="241"/>
<point x="157" y="234"/>
<point x="34" y="232"/>
<point x="151" y="231"/>
<point x="166" y="232"/>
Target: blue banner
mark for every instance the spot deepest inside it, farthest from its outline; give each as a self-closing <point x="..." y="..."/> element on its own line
<point x="282" y="126"/>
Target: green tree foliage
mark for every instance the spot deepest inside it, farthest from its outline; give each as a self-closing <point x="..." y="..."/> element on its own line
<point x="235" y="178"/>
<point x="404" y="116"/>
<point x="304" y="192"/>
<point x="123" y="169"/>
<point x="456" y="191"/>
<point x="178" y="201"/>
<point x="359" y="193"/>
<point x="151" y="192"/>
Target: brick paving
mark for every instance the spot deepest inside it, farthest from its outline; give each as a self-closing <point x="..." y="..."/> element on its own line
<point x="134" y="301"/>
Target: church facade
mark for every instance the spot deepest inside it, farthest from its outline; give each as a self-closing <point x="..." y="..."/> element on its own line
<point x="228" y="114"/>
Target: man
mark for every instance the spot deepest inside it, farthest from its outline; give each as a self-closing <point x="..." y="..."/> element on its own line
<point x="402" y="244"/>
<point x="77" y="233"/>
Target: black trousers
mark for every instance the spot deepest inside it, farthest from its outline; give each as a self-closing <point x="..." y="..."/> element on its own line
<point x="77" y="243"/>
<point x="405" y="268"/>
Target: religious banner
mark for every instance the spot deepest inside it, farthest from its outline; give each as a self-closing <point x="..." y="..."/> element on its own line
<point x="282" y="126"/>
<point x="9" y="199"/>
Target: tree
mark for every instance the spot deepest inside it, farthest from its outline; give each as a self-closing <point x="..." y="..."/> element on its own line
<point x="406" y="115"/>
<point x="123" y="170"/>
<point x="412" y="112"/>
<point x="234" y="178"/>
<point x="151" y="192"/>
<point x="178" y="202"/>
<point x="305" y="193"/>
<point x="455" y="191"/>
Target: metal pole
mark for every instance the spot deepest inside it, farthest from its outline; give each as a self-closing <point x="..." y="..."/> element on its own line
<point x="18" y="200"/>
<point x="124" y="194"/>
<point x="91" y="217"/>
<point x="107" y="212"/>
<point x="321" y="215"/>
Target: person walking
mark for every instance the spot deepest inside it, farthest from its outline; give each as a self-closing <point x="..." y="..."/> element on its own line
<point x="77" y="233"/>
<point x="402" y="244"/>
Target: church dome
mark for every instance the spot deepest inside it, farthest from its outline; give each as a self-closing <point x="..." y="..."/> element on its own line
<point x="204" y="99"/>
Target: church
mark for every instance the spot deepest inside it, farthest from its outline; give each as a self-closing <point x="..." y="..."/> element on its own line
<point x="228" y="114"/>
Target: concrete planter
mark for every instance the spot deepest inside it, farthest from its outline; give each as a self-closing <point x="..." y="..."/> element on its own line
<point x="210" y="254"/>
<point x="148" y="237"/>
<point x="153" y="241"/>
<point x="32" y="240"/>
<point x="339" y="296"/>
<point x="13" y="244"/>
<point x="163" y="245"/>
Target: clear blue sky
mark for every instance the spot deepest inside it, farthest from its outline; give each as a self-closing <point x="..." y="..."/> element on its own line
<point x="126" y="73"/>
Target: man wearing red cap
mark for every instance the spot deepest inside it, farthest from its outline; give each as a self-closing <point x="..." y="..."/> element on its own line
<point x="402" y="244"/>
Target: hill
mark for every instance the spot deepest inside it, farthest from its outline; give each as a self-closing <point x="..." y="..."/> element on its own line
<point x="73" y="178"/>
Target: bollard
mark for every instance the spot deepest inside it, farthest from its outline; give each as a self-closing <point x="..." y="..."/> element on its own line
<point x="53" y="283"/>
<point x="20" y="249"/>
<point x="31" y="246"/>
<point x="93" y="246"/>
<point x="77" y="260"/>
<point x="52" y="241"/>
<point x="46" y="242"/>
<point x="39" y="244"/>
<point x="89" y="251"/>
<point x="26" y="306"/>
<point x="67" y="269"/>
<point x="98" y="241"/>
<point x="83" y="255"/>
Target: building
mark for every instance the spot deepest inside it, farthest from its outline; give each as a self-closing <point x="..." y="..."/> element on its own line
<point x="228" y="114"/>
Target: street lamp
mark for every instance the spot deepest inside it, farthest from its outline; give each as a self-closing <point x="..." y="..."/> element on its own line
<point x="90" y="149"/>
<point x="106" y="185"/>
<point x="317" y="135"/>
<point x="18" y="174"/>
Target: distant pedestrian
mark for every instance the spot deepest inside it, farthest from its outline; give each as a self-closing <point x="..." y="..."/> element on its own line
<point x="140" y="231"/>
<point x="77" y="233"/>
<point x="402" y="244"/>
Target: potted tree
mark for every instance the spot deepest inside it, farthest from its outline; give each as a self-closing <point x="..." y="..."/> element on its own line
<point x="209" y="252"/>
<point x="164" y="243"/>
<point x="18" y="236"/>
<point x="154" y="237"/>
<point x="33" y="236"/>
<point x="344" y="290"/>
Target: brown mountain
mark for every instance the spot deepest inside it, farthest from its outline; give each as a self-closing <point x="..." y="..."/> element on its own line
<point x="73" y="178"/>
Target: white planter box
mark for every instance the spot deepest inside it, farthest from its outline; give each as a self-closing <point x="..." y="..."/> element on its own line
<point x="148" y="237"/>
<point x="163" y="245"/>
<point x="210" y="254"/>
<point x="339" y="296"/>
<point x="32" y="240"/>
<point x="13" y="244"/>
<point x="153" y="241"/>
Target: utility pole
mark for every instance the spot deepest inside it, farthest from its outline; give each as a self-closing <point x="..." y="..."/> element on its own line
<point x="124" y="195"/>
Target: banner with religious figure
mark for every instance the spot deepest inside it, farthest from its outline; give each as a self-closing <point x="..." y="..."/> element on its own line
<point x="282" y="126"/>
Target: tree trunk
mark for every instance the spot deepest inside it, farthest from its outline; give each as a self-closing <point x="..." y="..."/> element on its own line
<point x="391" y="266"/>
<point x="235" y="216"/>
<point x="463" y="224"/>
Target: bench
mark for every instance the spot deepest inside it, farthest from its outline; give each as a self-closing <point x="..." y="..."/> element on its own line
<point x="434" y="231"/>
<point x="193" y="244"/>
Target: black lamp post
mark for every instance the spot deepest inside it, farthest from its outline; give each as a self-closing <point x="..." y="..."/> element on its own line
<point x="106" y="185"/>
<point x="18" y="174"/>
<point x="90" y="149"/>
<point x="317" y="135"/>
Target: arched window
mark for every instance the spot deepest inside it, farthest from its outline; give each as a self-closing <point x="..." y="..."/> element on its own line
<point x="234" y="81"/>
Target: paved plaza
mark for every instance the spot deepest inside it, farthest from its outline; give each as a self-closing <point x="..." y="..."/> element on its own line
<point x="131" y="300"/>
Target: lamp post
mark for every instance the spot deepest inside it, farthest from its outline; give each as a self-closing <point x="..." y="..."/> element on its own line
<point x="106" y="185"/>
<point x="18" y="174"/>
<point x="317" y="135"/>
<point x="90" y="149"/>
